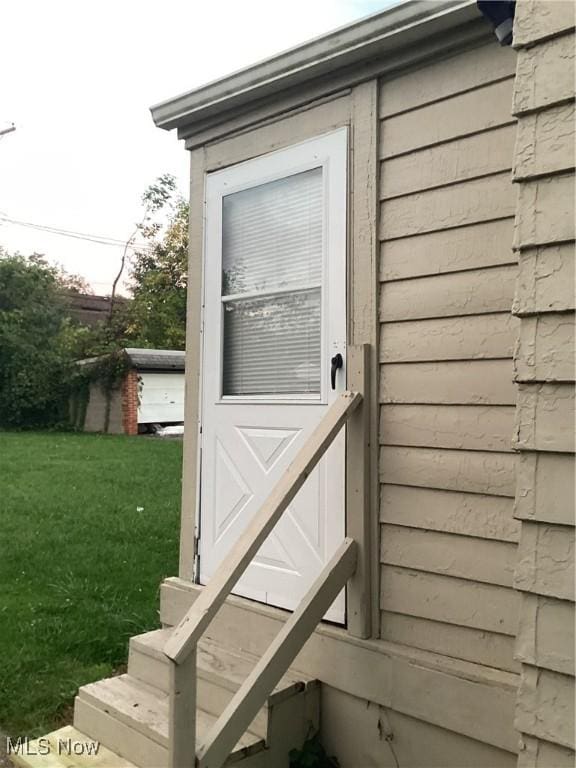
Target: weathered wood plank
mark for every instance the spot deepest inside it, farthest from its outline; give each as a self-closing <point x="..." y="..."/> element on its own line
<point x="546" y="633"/>
<point x="545" y="416"/>
<point x="546" y="488"/>
<point x="546" y="348"/>
<point x="442" y="78"/>
<point x="469" y="471"/>
<point x="544" y="75"/>
<point x="478" y="646"/>
<point x="536" y="20"/>
<point x="477" y="382"/>
<point x="451" y="600"/>
<point x="465" y="337"/>
<point x="466" y="427"/>
<point x="118" y="736"/>
<point x="360" y="525"/>
<point x="467" y="514"/>
<point x="545" y="280"/>
<point x="182" y="713"/>
<point x="545" y="142"/>
<point x="481" y="291"/>
<point x="476" y="246"/>
<point x="468" y="202"/>
<point x="545" y="212"/>
<point x="190" y="629"/>
<point x="488" y="561"/>
<point x="455" y="161"/>
<point x="545" y="563"/>
<point x="251" y="696"/>
<point x="489" y="106"/>
<point x="545" y="706"/>
<point x="363" y="264"/>
<point x="363" y="298"/>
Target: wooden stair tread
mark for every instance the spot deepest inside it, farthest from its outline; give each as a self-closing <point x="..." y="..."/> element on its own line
<point x="145" y="709"/>
<point x="215" y="662"/>
<point x="59" y="757"/>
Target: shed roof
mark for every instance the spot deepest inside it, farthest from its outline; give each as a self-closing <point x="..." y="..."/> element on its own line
<point x="384" y="35"/>
<point x="148" y="359"/>
<point x="156" y="359"/>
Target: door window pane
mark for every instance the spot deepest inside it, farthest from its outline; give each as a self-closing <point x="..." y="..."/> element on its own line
<point x="272" y="344"/>
<point x="272" y="235"/>
<point x="272" y="241"/>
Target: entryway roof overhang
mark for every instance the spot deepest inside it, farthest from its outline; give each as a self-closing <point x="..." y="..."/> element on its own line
<point x="385" y="41"/>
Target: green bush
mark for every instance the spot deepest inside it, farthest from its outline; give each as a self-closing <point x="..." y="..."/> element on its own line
<point x="38" y="342"/>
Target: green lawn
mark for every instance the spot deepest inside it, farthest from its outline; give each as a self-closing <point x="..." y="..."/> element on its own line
<point x="88" y="529"/>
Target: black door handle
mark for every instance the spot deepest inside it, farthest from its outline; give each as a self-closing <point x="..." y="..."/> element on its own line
<point x="337" y="362"/>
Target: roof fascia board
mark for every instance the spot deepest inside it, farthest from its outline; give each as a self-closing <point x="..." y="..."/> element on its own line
<point x="239" y="119"/>
<point x="378" y="35"/>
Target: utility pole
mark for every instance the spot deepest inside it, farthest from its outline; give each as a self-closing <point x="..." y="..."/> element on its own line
<point x="10" y="129"/>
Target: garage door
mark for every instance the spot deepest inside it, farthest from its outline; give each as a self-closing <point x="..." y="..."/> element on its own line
<point x="161" y="398"/>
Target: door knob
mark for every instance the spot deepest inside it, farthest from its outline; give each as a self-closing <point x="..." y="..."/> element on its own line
<point x="336" y="363"/>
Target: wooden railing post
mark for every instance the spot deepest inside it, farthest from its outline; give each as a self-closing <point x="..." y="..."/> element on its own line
<point x="182" y="713"/>
<point x="358" y="521"/>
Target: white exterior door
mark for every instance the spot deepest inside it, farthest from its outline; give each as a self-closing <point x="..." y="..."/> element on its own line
<point x="274" y="316"/>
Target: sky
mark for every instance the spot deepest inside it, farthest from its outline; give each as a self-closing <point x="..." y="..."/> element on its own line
<point x="77" y="79"/>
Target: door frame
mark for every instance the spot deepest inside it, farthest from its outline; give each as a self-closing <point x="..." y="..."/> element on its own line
<point x="358" y="111"/>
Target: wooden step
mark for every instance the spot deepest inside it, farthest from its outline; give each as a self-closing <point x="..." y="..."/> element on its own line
<point x="131" y="718"/>
<point x="68" y="748"/>
<point x="221" y="672"/>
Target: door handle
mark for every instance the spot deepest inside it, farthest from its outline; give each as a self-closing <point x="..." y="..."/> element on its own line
<point x="336" y="363"/>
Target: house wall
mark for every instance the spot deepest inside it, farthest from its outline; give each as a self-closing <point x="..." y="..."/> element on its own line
<point x="96" y="410"/>
<point x="457" y="711"/>
<point x="447" y="272"/>
<point x="437" y="682"/>
<point x="544" y="372"/>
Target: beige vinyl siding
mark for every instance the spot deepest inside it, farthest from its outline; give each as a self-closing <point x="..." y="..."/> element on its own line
<point x="447" y="276"/>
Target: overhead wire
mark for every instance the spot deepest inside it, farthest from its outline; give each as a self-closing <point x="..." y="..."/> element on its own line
<point x="99" y="239"/>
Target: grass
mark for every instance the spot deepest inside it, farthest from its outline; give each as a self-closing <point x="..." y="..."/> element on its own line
<point x="88" y="529"/>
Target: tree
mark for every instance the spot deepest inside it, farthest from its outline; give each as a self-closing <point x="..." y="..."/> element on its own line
<point x="159" y="270"/>
<point x="37" y="342"/>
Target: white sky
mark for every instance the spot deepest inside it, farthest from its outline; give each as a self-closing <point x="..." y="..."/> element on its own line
<point x="78" y="78"/>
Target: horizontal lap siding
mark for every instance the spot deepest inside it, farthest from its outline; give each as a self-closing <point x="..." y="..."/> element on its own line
<point x="544" y="370"/>
<point x="447" y="271"/>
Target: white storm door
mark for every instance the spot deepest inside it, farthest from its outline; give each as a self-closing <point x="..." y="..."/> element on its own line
<point x="274" y="316"/>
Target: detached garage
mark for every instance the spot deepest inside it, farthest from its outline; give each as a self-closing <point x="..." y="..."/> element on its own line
<point x="150" y="392"/>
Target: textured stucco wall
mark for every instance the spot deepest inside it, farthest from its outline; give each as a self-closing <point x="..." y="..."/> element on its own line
<point x="544" y="372"/>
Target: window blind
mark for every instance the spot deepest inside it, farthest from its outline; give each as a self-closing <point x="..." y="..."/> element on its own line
<point x="272" y="239"/>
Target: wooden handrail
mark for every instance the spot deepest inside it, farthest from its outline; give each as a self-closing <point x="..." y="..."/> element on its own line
<point x="250" y="697"/>
<point x="186" y="634"/>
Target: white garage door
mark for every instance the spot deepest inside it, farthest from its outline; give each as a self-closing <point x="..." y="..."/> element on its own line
<point x="161" y="398"/>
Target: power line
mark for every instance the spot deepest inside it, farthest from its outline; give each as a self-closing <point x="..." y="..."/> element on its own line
<point x="99" y="239"/>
